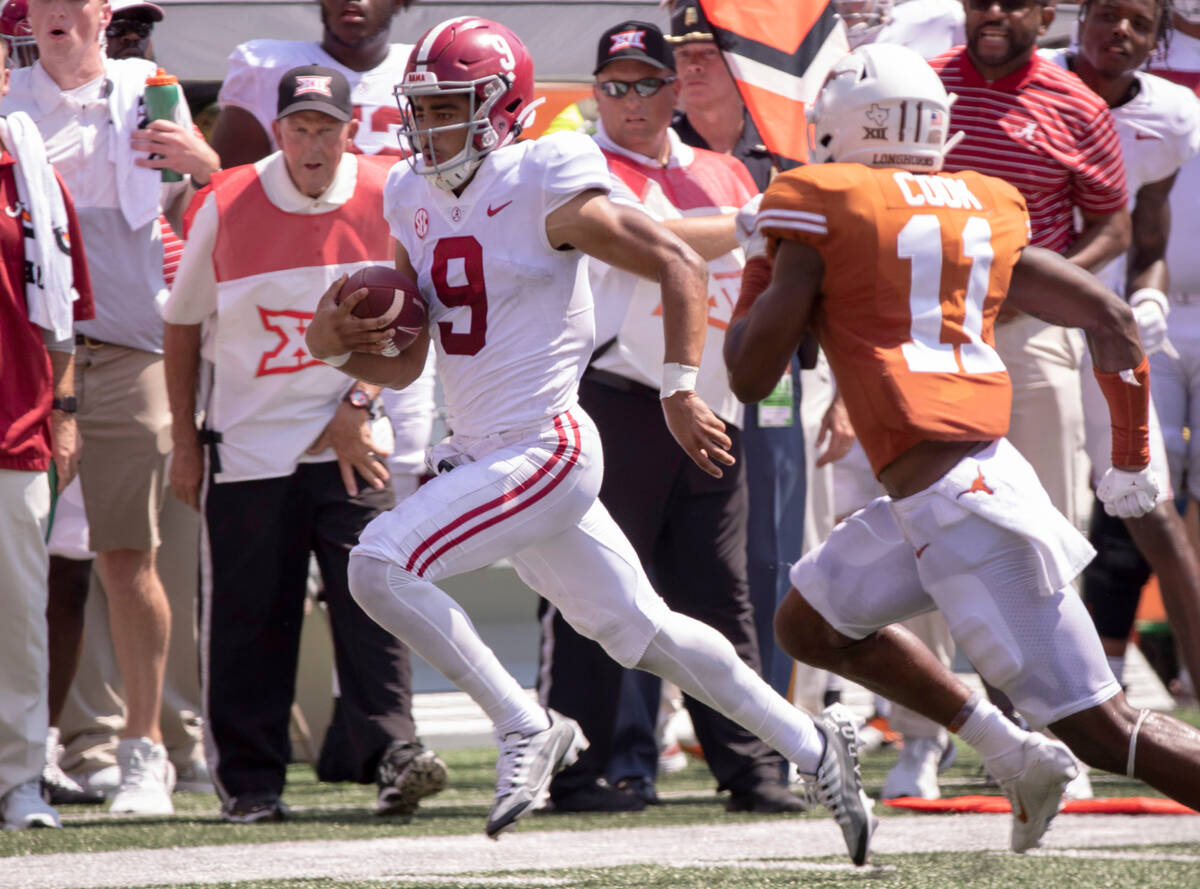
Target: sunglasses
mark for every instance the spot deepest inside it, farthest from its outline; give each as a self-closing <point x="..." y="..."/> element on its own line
<point x="121" y="27"/>
<point x="646" y="87"/>
<point x="1008" y="7"/>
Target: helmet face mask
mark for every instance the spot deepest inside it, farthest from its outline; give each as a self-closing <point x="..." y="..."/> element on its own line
<point x="883" y="106"/>
<point x="864" y="19"/>
<point x="483" y="61"/>
<point x="18" y="33"/>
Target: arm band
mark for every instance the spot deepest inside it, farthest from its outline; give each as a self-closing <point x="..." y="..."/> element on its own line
<point x="1128" y="395"/>
<point x="755" y="278"/>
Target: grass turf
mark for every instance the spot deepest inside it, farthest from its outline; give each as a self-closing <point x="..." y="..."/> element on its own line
<point x="344" y="812"/>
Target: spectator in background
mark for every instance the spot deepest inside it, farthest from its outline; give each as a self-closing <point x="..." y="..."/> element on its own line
<point x="1177" y="380"/>
<point x="688" y="528"/>
<point x="354" y="42"/>
<point x="712" y="116"/>
<point x="261" y="493"/>
<point x="1159" y="126"/>
<point x="88" y="110"/>
<point x="86" y="710"/>
<point x="40" y="299"/>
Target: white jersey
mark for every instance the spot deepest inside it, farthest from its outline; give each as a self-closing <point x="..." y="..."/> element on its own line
<point x="256" y="67"/>
<point x="1182" y="65"/>
<point x="929" y="27"/>
<point x="1159" y="130"/>
<point x="510" y="316"/>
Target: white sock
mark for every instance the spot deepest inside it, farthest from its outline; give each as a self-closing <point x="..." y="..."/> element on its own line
<point x="1116" y="663"/>
<point x="997" y="738"/>
<point x="704" y="665"/>
<point x="434" y="626"/>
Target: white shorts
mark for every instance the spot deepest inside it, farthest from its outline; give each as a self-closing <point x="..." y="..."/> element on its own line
<point x="529" y="496"/>
<point x="1098" y="429"/>
<point x="995" y="564"/>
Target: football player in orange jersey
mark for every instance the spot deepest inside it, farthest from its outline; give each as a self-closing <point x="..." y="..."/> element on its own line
<point x="900" y="270"/>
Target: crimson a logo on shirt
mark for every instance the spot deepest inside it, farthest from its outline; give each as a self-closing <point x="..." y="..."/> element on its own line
<point x="421" y="222"/>
<point x="290" y="355"/>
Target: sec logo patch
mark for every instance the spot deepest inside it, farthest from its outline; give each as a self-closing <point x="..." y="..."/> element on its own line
<point x="421" y="222"/>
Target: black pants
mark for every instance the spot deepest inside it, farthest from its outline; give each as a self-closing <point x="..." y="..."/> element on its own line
<point x="253" y="582"/>
<point x="689" y="530"/>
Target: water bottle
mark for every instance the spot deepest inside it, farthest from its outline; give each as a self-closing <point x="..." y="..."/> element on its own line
<point x="161" y="98"/>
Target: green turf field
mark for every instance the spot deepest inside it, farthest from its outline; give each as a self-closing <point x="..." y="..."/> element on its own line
<point x="324" y="813"/>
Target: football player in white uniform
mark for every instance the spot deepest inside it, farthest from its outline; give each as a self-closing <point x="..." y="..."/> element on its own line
<point x="354" y="41"/>
<point x="496" y="233"/>
<point x="1159" y="126"/>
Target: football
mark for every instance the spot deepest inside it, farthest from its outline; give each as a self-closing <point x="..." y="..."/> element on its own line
<point x="388" y="288"/>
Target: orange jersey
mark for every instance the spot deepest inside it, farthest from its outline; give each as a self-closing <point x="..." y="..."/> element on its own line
<point x="916" y="267"/>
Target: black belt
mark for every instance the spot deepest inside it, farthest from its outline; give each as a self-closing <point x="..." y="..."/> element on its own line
<point x="620" y="383"/>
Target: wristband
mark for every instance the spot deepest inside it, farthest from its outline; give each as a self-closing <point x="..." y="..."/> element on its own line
<point x="336" y="360"/>
<point x="677" y="378"/>
<point x="1150" y="294"/>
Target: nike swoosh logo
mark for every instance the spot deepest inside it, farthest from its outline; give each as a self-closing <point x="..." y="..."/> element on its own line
<point x="922" y="549"/>
<point x="492" y="211"/>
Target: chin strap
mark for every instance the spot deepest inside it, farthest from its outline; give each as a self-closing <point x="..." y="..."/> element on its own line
<point x="1137" y="727"/>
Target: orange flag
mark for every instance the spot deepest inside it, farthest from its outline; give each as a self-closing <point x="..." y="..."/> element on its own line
<point x="779" y="52"/>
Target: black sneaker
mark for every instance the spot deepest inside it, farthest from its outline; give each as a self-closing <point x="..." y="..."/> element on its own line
<point x="643" y="788"/>
<point x="765" y="798"/>
<point x="407" y="773"/>
<point x="597" y="797"/>
<point x="251" y="808"/>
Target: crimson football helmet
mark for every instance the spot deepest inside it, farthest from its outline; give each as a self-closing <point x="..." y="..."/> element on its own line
<point x="484" y="61"/>
<point x="18" y="33"/>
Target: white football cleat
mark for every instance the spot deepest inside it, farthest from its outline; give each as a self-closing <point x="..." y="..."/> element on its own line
<point x="147" y="779"/>
<point x="526" y="764"/>
<point x="916" y="771"/>
<point x="24" y="808"/>
<point x="838" y="782"/>
<point x="1036" y="792"/>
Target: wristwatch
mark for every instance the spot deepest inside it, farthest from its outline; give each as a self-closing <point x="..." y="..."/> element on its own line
<point x="66" y="404"/>
<point x="358" y="398"/>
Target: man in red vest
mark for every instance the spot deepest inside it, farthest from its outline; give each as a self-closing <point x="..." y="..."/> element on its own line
<point x="289" y="460"/>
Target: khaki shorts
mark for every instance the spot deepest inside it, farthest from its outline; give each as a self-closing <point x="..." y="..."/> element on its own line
<point x="125" y="425"/>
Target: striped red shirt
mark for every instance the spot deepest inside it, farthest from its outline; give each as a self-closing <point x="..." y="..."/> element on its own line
<point x="1042" y="130"/>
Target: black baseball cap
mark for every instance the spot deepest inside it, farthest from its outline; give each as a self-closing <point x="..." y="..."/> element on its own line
<point x="688" y="23"/>
<point x="313" y="88"/>
<point x="641" y="41"/>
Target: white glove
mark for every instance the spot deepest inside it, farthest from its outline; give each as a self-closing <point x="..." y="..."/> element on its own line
<point x="1128" y="495"/>
<point x="748" y="236"/>
<point x="1150" y="312"/>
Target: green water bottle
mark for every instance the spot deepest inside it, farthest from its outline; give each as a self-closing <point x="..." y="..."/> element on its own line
<point x="161" y="97"/>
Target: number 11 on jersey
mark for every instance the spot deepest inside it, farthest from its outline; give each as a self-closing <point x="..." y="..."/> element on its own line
<point x="920" y="242"/>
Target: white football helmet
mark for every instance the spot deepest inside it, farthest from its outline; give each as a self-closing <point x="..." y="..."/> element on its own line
<point x="864" y="19"/>
<point x="883" y="106"/>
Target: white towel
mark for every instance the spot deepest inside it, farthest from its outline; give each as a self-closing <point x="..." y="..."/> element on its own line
<point x="139" y="188"/>
<point x="49" y="291"/>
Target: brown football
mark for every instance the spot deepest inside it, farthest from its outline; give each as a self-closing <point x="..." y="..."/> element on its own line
<point x="388" y="288"/>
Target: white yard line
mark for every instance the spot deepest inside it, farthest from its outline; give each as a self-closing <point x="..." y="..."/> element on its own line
<point x="756" y="844"/>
